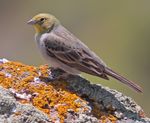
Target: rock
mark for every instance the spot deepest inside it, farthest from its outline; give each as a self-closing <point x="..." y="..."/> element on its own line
<point x="30" y="94"/>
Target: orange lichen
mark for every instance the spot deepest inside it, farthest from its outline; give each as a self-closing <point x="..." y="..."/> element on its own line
<point x="43" y="69"/>
<point x="109" y="118"/>
<point x="141" y="114"/>
<point x="4" y="81"/>
<point x="45" y="96"/>
<point x="18" y="113"/>
<point x="112" y="118"/>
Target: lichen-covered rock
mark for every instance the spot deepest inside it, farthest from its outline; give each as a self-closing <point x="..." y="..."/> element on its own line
<point x="12" y="111"/>
<point x="28" y="95"/>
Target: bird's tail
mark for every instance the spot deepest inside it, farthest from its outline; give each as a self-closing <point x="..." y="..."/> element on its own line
<point x="122" y="79"/>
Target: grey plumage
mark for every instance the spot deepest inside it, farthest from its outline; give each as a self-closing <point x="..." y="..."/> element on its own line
<point x="65" y="47"/>
<point x="63" y="50"/>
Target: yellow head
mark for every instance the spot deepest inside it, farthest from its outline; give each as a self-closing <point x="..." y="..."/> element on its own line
<point x="43" y="22"/>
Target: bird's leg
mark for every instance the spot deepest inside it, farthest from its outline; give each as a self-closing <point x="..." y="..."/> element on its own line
<point x="56" y="74"/>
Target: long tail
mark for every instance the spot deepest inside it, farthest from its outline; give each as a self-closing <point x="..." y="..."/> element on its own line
<point x="122" y="79"/>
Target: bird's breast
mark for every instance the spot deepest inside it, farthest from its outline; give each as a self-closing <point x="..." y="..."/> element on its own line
<point x="39" y="38"/>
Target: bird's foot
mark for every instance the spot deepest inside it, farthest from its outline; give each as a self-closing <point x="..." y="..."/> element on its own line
<point x="56" y="75"/>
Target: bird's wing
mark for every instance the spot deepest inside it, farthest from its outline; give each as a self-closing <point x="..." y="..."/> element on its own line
<point x="65" y="47"/>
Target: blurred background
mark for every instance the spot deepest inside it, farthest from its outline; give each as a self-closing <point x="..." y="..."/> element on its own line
<point x="118" y="31"/>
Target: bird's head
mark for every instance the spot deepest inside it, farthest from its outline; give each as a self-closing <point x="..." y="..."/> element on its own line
<point x="43" y="22"/>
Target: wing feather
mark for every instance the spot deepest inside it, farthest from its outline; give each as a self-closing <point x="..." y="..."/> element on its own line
<point x="65" y="47"/>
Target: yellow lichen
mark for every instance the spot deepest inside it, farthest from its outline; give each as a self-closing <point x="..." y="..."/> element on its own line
<point x="48" y="95"/>
<point x="109" y="118"/>
<point x="45" y="96"/>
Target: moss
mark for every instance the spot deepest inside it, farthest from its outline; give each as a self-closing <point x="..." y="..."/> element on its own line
<point x="47" y="97"/>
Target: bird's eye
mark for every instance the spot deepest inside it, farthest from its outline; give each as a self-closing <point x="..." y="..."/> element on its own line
<point x="42" y="19"/>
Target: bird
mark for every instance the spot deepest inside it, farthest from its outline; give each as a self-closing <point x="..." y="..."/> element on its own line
<point x="62" y="49"/>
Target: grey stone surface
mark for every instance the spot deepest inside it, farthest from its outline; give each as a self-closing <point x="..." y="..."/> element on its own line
<point x="122" y="106"/>
<point x="9" y="107"/>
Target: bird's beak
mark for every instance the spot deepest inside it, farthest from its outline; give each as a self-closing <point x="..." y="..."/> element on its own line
<point x="32" y="22"/>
